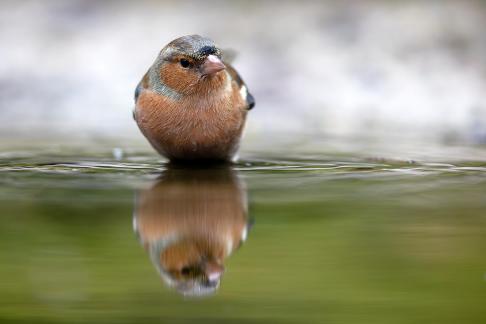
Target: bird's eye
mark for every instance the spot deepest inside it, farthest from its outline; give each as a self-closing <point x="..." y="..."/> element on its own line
<point x="184" y="63"/>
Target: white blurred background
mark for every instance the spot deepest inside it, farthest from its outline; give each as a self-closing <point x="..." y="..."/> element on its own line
<point x="392" y="70"/>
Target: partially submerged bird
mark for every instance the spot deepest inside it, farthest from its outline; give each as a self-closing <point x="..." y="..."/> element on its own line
<point x="191" y="105"/>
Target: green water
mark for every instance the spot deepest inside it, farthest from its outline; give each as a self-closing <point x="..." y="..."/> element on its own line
<point x="332" y="239"/>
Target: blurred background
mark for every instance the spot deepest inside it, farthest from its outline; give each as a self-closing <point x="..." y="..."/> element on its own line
<point x="391" y="71"/>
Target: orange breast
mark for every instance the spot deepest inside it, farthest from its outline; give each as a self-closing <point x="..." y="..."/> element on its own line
<point x="194" y="127"/>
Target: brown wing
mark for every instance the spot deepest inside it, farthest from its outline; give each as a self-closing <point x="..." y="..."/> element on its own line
<point x="143" y="84"/>
<point x="250" y="100"/>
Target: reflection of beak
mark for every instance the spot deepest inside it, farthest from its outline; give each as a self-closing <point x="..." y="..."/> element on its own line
<point x="212" y="64"/>
<point x="213" y="271"/>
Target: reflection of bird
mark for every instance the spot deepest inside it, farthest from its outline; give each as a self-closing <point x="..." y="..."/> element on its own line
<point x="190" y="105"/>
<point x="190" y="221"/>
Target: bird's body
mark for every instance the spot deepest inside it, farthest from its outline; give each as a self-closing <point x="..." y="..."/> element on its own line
<point x="191" y="106"/>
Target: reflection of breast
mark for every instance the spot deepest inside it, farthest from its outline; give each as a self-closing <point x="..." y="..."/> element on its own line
<point x="190" y="221"/>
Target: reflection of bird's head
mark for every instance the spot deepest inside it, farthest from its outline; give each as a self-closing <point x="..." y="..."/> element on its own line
<point x="191" y="266"/>
<point x="189" y="222"/>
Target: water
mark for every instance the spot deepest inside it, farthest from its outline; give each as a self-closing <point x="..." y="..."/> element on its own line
<point x="97" y="236"/>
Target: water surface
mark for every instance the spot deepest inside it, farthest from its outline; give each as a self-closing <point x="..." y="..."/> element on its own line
<point x="338" y="239"/>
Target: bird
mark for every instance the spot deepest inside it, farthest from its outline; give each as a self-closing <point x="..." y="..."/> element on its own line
<point x="191" y="105"/>
<point x="190" y="221"/>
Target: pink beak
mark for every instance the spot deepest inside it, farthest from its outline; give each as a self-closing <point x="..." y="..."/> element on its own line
<point x="212" y="64"/>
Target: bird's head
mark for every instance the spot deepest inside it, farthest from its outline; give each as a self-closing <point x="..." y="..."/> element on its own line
<point x="188" y="63"/>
